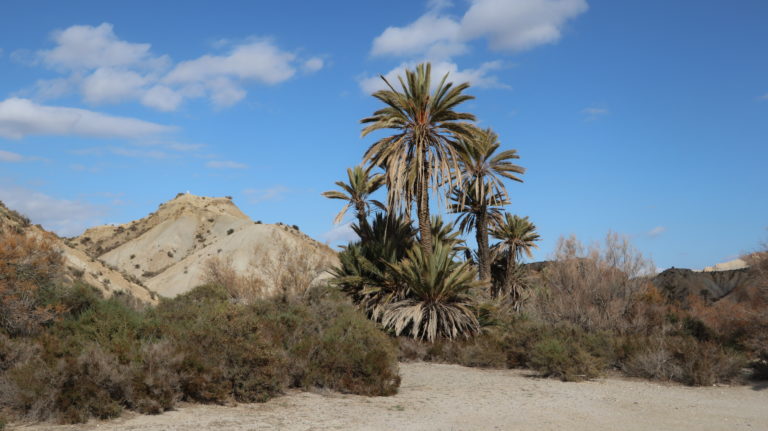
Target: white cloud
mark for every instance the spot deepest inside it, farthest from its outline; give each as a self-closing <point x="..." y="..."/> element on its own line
<point x="55" y="88"/>
<point x="430" y="34"/>
<point x="107" y="85"/>
<point x="106" y="69"/>
<point x="313" y="64"/>
<point x="507" y="25"/>
<point x="86" y="47"/>
<point x="224" y="92"/>
<point x="519" y="25"/>
<point x="479" y="77"/>
<point x="7" y="156"/>
<point x="22" y="117"/>
<point x="340" y="233"/>
<point x="260" y="60"/>
<point x="658" y="230"/>
<point x="63" y="216"/>
<point x="270" y="194"/>
<point x="162" y="98"/>
<point x="225" y="164"/>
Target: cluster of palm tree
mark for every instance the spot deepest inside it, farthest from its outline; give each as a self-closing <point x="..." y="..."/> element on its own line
<point x="413" y="280"/>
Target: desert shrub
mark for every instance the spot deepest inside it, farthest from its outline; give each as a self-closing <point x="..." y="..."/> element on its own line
<point x="27" y="264"/>
<point x="569" y="354"/>
<point x="90" y="385"/>
<point x="242" y="288"/>
<point x="687" y="360"/>
<point x="243" y="366"/>
<point x="706" y="363"/>
<point x="155" y="383"/>
<point x="594" y="288"/>
<point x="292" y="269"/>
<point x="655" y="362"/>
<point x="347" y="353"/>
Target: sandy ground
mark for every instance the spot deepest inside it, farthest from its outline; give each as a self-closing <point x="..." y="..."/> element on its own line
<point x="450" y="397"/>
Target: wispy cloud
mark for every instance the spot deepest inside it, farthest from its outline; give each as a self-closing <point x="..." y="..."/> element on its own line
<point x="342" y="233"/>
<point x="269" y="194"/>
<point x="22" y="117"/>
<point x="658" y="230"/>
<point x="7" y="156"/>
<point x="225" y="164"/>
<point x="64" y="216"/>
<point x="593" y="113"/>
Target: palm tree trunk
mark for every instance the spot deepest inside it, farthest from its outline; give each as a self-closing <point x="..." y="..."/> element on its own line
<point x="483" y="255"/>
<point x="510" y="273"/>
<point x="362" y="217"/>
<point x="425" y="227"/>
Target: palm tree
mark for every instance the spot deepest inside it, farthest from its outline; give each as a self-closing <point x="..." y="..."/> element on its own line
<point x="423" y="152"/>
<point x="484" y="171"/>
<point x="479" y="208"/>
<point x="361" y="185"/>
<point x="363" y="272"/>
<point x="518" y="236"/>
<point x="435" y="302"/>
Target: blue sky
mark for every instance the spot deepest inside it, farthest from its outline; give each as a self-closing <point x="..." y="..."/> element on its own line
<point x="647" y="118"/>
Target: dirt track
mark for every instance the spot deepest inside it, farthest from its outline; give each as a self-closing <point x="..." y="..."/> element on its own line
<point x="450" y="397"/>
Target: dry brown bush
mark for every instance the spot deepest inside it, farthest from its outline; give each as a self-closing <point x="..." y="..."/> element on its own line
<point x="27" y="264"/>
<point x="284" y="270"/>
<point x="292" y="268"/>
<point x="243" y="288"/>
<point x="596" y="288"/>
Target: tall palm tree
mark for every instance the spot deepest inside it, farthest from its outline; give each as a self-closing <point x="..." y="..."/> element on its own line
<point x="361" y="185"/>
<point x="479" y="208"/>
<point x="423" y="152"/>
<point x="484" y="171"/>
<point x="518" y="236"/>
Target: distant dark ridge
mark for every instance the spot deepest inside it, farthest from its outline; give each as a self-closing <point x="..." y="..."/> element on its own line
<point x="678" y="284"/>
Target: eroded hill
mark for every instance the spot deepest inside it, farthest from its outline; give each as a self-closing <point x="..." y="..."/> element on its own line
<point x="78" y="264"/>
<point x="169" y="251"/>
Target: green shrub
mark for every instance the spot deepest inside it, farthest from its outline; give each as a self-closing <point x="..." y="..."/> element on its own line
<point x="104" y="356"/>
<point x="91" y="385"/>
<point x="243" y="365"/>
<point x="349" y="354"/>
<point x="562" y="357"/>
<point x="706" y="363"/>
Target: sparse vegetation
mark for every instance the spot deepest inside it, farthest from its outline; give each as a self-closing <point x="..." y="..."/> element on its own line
<point x="95" y="357"/>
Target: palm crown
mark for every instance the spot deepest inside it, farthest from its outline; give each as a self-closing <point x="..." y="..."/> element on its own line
<point x="361" y="185"/>
<point x="481" y="163"/>
<point x="423" y="152"/>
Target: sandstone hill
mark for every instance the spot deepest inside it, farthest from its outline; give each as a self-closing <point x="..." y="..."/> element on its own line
<point x="78" y="265"/>
<point x="169" y="250"/>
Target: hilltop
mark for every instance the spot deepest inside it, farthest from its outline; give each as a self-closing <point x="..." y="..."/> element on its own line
<point x="170" y="249"/>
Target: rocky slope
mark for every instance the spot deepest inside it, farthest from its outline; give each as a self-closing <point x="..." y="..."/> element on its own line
<point x="169" y="250"/>
<point x="78" y="265"/>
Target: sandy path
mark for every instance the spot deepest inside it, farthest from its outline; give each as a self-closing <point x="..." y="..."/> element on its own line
<point x="450" y="397"/>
